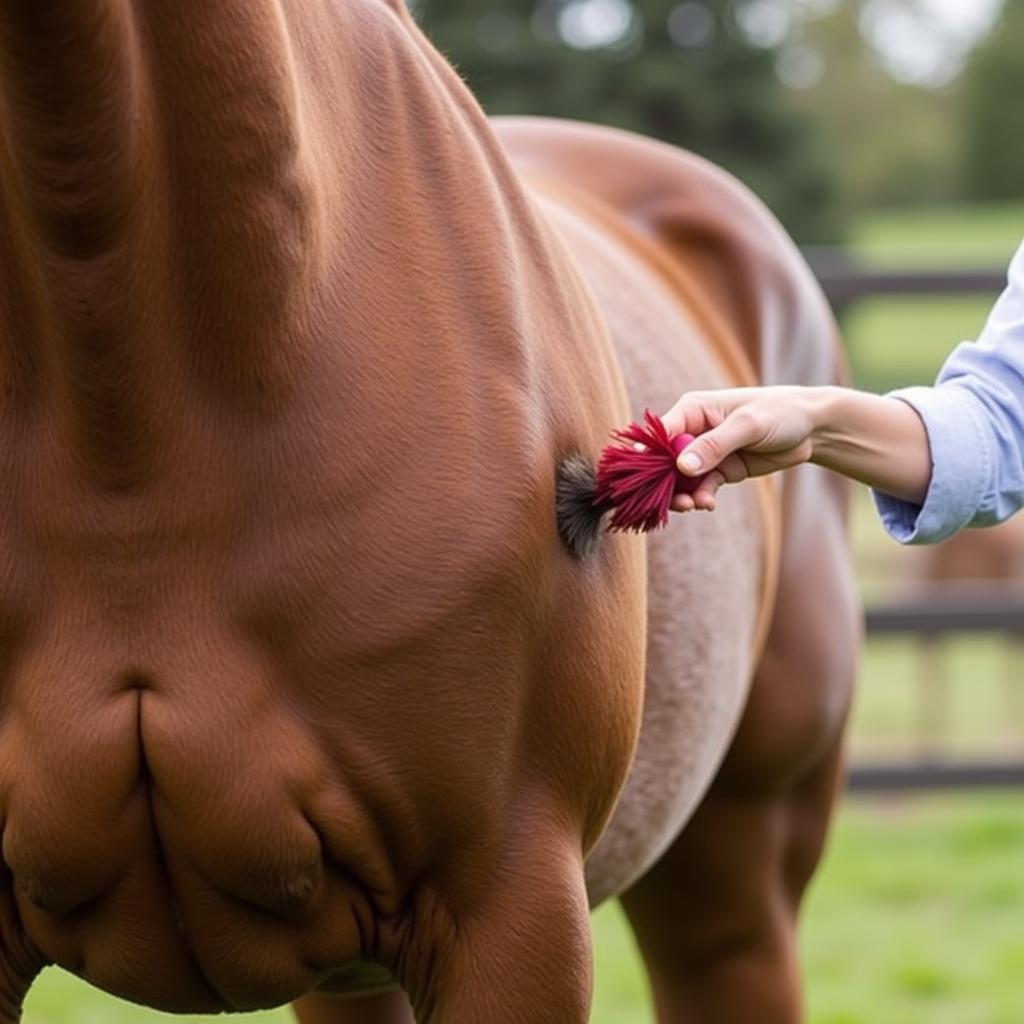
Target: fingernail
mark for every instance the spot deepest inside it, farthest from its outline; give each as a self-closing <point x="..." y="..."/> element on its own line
<point x="689" y="462"/>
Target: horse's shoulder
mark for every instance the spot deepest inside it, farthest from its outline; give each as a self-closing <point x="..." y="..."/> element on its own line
<point x="705" y="219"/>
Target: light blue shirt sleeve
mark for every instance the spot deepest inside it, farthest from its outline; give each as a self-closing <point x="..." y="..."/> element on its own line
<point x="974" y="417"/>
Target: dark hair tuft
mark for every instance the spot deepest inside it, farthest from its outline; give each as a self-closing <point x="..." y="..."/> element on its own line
<point x="578" y="514"/>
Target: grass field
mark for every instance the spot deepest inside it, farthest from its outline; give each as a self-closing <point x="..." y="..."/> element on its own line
<point x="974" y="235"/>
<point x="917" y="916"/>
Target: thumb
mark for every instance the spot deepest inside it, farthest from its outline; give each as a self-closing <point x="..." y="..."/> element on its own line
<point x="738" y="430"/>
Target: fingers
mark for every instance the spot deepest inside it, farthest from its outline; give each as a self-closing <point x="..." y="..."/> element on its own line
<point x="723" y="422"/>
<point x="683" y="503"/>
<point x="695" y="412"/>
<point x="733" y="470"/>
<point x="738" y="430"/>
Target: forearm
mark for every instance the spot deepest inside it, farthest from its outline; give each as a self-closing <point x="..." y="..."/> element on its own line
<point x="879" y="441"/>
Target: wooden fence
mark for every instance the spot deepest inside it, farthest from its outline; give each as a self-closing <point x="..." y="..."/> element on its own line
<point x="944" y="612"/>
<point x="949" y="610"/>
<point x="845" y="280"/>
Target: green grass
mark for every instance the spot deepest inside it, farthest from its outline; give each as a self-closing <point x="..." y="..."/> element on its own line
<point x="949" y="236"/>
<point x="58" y="998"/>
<point x="917" y="914"/>
<point x="897" y="342"/>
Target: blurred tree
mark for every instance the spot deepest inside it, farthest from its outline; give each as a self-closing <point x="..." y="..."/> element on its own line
<point x="994" y="110"/>
<point x="684" y="72"/>
<point x="898" y="141"/>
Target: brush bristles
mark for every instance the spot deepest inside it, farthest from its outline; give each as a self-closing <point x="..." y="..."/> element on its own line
<point x="578" y="512"/>
<point x="638" y="477"/>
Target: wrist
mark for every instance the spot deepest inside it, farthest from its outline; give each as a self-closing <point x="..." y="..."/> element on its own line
<point x="830" y="418"/>
<point x="875" y="439"/>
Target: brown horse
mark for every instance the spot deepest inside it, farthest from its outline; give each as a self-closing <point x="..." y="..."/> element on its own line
<point x="301" y="690"/>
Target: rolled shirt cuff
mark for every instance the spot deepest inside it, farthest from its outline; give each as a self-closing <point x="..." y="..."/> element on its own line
<point x="961" y="467"/>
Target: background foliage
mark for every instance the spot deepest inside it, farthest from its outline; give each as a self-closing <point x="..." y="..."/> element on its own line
<point x="994" y="111"/>
<point x="682" y="72"/>
<point x="811" y="102"/>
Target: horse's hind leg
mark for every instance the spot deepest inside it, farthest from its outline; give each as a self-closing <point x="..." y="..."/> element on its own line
<point x="386" y="1008"/>
<point x="715" y="918"/>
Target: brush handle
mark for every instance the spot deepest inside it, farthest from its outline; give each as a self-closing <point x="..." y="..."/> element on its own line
<point x="684" y="484"/>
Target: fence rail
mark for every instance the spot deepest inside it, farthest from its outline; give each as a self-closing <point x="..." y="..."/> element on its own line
<point x="947" y="610"/>
<point x="952" y="609"/>
<point x="845" y="279"/>
<point x="925" y="776"/>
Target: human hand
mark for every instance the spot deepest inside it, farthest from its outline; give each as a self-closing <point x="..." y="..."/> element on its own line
<point x="741" y="432"/>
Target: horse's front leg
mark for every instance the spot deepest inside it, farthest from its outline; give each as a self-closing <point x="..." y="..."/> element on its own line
<point x="510" y="945"/>
<point x="20" y="961"/>
<point x="523" y="955"/>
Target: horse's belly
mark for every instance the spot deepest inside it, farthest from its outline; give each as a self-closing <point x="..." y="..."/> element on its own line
<point x="705" y="574"/>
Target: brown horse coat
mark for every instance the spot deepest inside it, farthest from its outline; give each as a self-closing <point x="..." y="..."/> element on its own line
<point x="299" y="685"/>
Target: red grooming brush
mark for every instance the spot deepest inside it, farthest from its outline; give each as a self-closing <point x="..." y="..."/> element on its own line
<point x="638" y="478"/>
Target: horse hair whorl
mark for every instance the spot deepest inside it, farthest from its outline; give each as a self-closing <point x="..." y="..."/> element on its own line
<point x="578" y="515"/>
